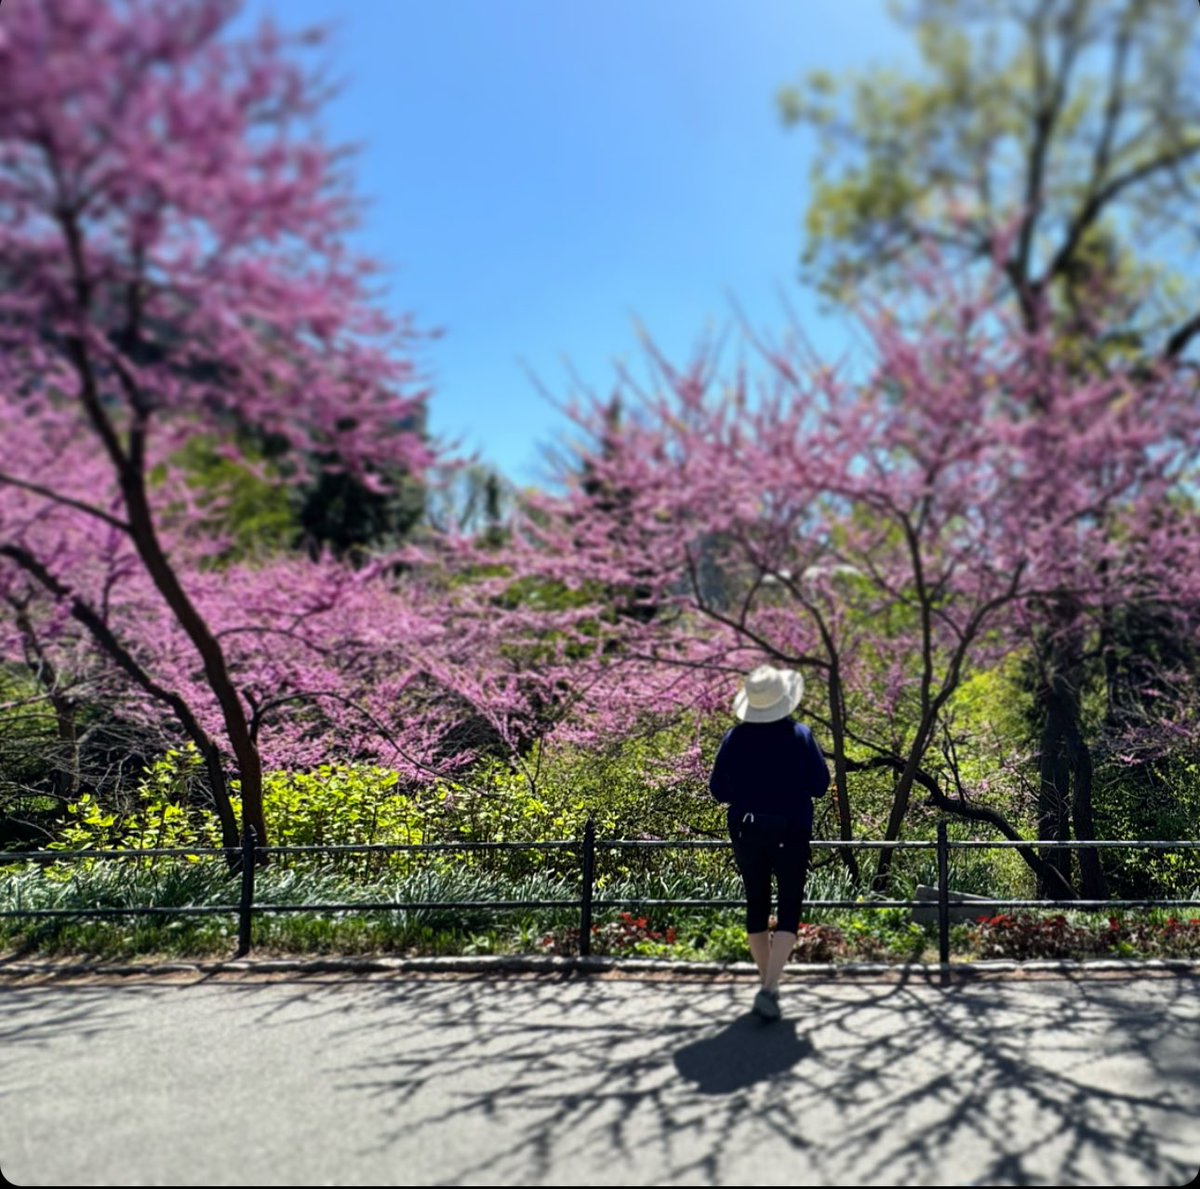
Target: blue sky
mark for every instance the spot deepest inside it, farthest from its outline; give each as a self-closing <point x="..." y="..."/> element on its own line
<point x="541" y="172"/>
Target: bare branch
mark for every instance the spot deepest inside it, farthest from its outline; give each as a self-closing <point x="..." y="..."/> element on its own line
<point x="58" y="498"/>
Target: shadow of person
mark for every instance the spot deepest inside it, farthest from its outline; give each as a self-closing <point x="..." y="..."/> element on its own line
<point x="747" y="1050"/>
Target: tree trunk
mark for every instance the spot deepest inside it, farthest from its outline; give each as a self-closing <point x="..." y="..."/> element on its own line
<point x="220" y="795"/>
<point x="216" y="671"/>
<point x="129" y="463"/>
<point x="901" y="796"/>
<point x="1092" y="882"/>
<point x="1065" y="790"/>
<point x="1053" y="817"/>
<point x="841" y="789"/>
<point x="66" y="770"/>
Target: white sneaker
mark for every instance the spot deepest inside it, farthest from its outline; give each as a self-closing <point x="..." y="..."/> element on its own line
<point x="766" y="1004"/>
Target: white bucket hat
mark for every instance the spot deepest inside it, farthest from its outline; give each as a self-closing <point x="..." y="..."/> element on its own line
<point x="768" y="694"/>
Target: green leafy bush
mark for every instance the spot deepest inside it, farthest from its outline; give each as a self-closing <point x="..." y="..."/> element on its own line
<point x="335" y="805"/>
<point x="1156" y="801"/>
<point x="167" y="813"/>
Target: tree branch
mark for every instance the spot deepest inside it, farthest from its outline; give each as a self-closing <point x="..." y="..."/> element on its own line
<point x="79" y="505"/>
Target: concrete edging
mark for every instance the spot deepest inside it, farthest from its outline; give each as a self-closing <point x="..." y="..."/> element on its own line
<point x="504" y="964"/>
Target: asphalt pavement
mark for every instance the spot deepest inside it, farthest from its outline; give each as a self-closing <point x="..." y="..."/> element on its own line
<point x="589" y="1080"/>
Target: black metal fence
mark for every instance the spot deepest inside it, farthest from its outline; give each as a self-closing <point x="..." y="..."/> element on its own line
<point x="587" y="903"/>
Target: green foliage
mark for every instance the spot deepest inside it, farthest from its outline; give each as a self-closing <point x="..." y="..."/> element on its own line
<point x="1160" y="800"/>
<point x="338" y="512"/>
<point x="24" y="709"/>
<point x="886" y="933"/>
<point x="625" y="935"/>
<point x="242" y="502"/>
<point x="335" y="805"/>
<point x="88" y="827"/>
<point x="991" y="711"/>
<point x="635" y="789"/>
<point x="632" y="789"/>
<point x="117" y="884"/>
<point x="167" y="812"/>
<point x="245" y="502"/>
<point x="501" y="804"/>
<point x="725" y="942"/>
<point x="28" y="743"/>
<point x="338" y="805"/>
<point x="1003" y="103"/>
<point x="171" y="883"/>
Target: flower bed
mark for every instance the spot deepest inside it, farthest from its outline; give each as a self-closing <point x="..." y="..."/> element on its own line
<point x="885" y="936"/>
<point x="1024" y="936"/>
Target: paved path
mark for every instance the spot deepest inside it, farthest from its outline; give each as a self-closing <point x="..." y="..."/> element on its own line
<point x="326" y="1081"/>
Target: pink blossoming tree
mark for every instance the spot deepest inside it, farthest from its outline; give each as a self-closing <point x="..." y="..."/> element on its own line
<point x="887" y="533"/>
<point x="173" y="244"/>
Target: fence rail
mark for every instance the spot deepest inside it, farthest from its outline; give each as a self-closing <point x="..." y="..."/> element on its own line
<point x="247" y="856"/>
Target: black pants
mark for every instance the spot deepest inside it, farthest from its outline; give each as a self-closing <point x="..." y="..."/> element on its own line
<point x="762" y="853"/>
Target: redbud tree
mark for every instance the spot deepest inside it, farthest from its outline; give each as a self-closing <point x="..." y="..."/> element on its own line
<point x="886" y="528"/>
<point x="173" y="231"/>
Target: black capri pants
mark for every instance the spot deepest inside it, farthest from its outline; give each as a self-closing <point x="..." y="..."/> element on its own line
<point x="762" y="851"/>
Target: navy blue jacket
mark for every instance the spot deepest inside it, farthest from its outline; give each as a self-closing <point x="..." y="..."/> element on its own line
<point x="770" y="767"/>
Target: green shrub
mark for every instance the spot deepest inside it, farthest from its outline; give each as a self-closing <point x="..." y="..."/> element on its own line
<point x="335" y="805"/>
<point x="166" y="814"/>
<point x="726" y="943"/>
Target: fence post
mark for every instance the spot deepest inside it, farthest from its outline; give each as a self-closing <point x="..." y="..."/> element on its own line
<point x="585" y="896"/>
<point x="249" y="846"/>
<point x="943" y="866"/>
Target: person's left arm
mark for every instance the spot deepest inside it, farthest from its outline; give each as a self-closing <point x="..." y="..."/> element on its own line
<point x="816" y="767"/>
<point x="721" y="782"/>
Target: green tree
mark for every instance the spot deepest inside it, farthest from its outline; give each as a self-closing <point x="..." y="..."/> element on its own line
<point x="1081" y="117"/>
<point x="341" y="513"/>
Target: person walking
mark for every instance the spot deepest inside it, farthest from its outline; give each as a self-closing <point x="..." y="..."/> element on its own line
<point x="768" y="770"/>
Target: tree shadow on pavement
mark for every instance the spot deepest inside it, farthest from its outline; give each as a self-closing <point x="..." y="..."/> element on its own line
<point x="37" y="1016"/>
<point x="908" y="1082"/>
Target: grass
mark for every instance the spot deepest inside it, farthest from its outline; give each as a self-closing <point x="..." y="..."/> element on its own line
<point x="696" y="933"/>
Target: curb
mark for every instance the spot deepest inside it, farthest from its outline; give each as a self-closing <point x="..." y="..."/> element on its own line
<point x="546" y="964"/>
